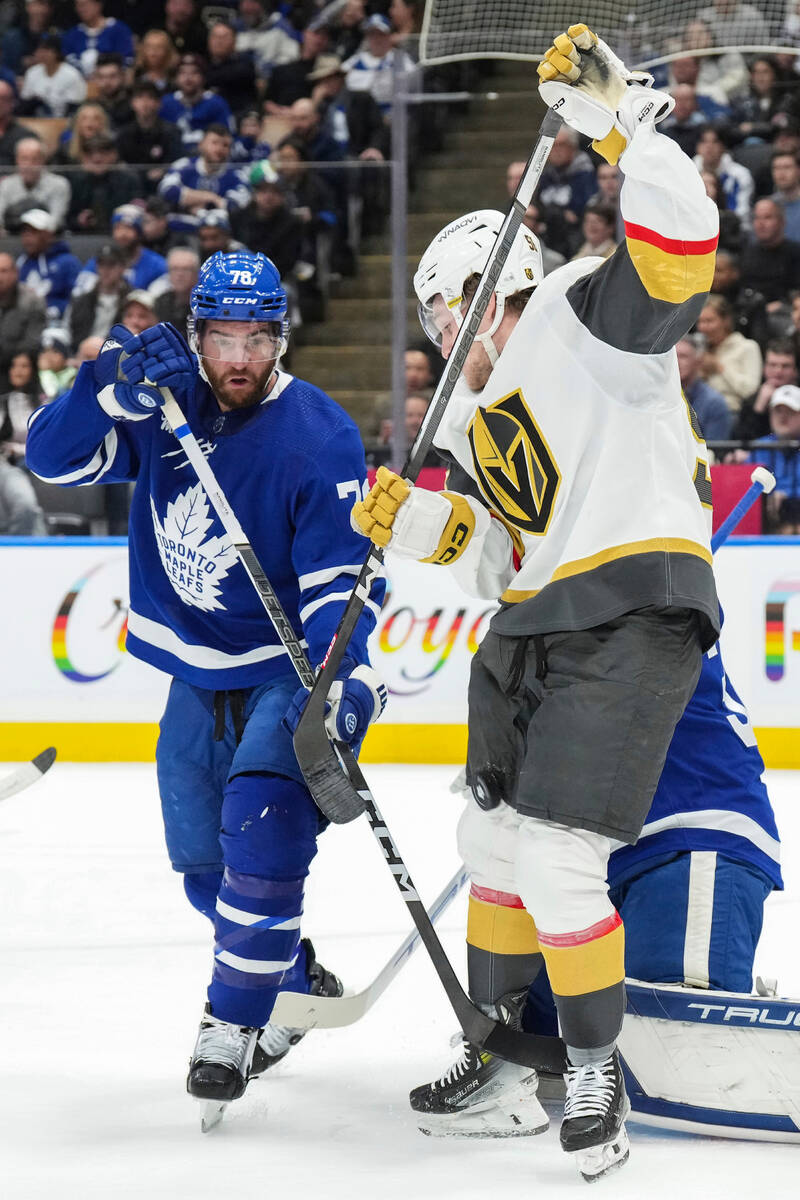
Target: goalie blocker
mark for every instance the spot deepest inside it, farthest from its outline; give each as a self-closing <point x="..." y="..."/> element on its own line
<point x="725" y="1064"/>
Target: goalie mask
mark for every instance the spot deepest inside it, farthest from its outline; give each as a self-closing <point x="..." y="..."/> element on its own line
<point x="462" y="249"/>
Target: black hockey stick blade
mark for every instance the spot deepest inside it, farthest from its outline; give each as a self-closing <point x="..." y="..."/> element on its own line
<point x="528" y="1049"/>
<point x="44" y="761"/>
<point x="28" y="773"/>
<point x="336" y="794"/>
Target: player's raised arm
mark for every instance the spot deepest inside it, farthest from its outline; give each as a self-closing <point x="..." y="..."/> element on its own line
<point x="82" y="437"/>
<point x="651" y="291"/>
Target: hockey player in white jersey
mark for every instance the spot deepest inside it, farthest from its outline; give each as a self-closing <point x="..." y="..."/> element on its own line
<point x="240" y="824"/>
<point x="577" y="494"/>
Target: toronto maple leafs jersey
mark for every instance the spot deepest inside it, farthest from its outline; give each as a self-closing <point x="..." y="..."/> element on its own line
<point x="711" y="794"/>
<point x="290" y="467"/>
<point x="581" y="443"/>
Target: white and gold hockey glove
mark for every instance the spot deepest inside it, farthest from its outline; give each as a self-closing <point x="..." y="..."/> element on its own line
<point x="595" y="93"/>
<point x="433" y="527"/>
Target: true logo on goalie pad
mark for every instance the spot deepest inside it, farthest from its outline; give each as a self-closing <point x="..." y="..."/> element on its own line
<point x="513" y="465"/>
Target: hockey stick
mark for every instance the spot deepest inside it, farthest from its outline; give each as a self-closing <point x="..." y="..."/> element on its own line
<point x="27" y="774"/>
<point x="762" y="480"/>
<point x="333" y="791"/>
<point x="301" y="1011"/>
<point x="531" y="1050"/>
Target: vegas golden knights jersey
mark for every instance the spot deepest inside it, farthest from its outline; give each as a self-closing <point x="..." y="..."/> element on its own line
<point x="582" y="444"/>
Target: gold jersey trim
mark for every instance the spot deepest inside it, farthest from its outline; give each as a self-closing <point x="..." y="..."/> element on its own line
<point x="627" y="550"/>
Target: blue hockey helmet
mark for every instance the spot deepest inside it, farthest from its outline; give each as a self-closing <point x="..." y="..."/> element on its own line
<point x="241" y="286"/>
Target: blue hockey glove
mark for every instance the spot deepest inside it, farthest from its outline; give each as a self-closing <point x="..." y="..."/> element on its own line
<point x="160" y="355"/>
<point x="122" y="400"/>
<point x="356" y="699"/>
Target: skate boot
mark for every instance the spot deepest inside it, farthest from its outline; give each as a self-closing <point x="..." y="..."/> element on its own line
<point x="480" y="1096"/>
<point x="220" y="1065"/>
<point x="593" y="1128"/>
<point x="275" y="1041"/>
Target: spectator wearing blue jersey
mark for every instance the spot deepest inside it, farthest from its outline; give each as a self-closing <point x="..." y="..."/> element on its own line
<point x="143" y="267"/>
<point x="735" y="179"/>
<point x="47" y="267"/>
<point x="19" y="41"/>
<point x="241" y="826"/>
<point x="783" y="505"/>
<point x="568" y="183"/>
<point x="208" y="181"/>
<point x="373" y="66"/>
<point x="269" y="39"/>
<point x="192" y="106"/>
<point x="213" y="229"/>
<point x="95" y="34"/>
<point x="710" y="407"/>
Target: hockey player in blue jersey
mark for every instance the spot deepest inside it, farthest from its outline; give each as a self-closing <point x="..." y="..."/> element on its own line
<point x="240" y="824"/>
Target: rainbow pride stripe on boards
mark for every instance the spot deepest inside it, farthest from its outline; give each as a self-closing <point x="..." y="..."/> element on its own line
<point x="778" y="597"/>
<point x="59" y="639"/>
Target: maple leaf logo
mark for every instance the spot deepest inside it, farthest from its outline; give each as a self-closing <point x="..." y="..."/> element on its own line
<point x="195" y="565"/>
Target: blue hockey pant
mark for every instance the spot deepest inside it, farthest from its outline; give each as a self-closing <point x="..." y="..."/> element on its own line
<point x="242" y="828"/>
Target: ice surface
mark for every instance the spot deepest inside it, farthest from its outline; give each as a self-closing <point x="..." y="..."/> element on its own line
<point x="104" y="973"/>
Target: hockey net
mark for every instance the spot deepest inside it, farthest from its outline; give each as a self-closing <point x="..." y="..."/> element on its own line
<point x="642" y="32"/>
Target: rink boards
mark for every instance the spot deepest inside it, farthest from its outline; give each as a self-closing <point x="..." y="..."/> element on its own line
<point x="69" y="682"/>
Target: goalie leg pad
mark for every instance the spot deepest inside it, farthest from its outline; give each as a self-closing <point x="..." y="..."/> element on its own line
<point x="720" y="1063"/>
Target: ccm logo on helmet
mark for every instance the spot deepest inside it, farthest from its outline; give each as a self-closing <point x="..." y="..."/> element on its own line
<point x="239" y="300"/>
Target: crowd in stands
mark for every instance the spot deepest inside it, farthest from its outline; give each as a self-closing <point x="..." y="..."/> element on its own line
<point x="137" y="137"/>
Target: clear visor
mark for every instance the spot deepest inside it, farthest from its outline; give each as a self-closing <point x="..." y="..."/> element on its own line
<point x="259" y="345"/>
<point x="435" y="316"/>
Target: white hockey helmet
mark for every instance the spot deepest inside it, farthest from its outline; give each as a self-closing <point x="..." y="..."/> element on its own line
<point x="462" y="249"/>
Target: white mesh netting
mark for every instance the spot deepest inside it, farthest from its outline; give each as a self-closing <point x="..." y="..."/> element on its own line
<point x="641" y="32"/>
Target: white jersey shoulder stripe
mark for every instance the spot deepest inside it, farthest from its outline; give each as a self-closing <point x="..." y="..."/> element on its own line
<point x="327" y="575"/>
<point x="308" y="609"/>
<point x="721" y="821"/>
<point x="100" y="462"/>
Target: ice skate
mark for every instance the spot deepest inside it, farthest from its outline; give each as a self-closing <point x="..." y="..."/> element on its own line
<point x="220" y="1065"/>
<point x="480" y="1096"/>
<point x="275" y="1041"/>
<point x="593" y="1128"/>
